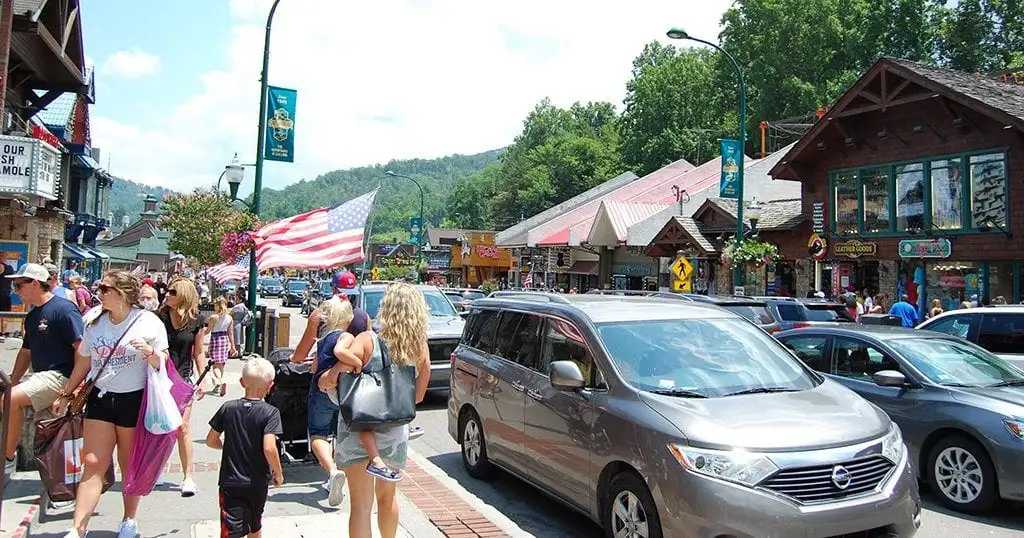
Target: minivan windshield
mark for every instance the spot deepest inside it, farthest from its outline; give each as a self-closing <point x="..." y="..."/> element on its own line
<point x="950" y="362"/>
<point x="271" y="282"/>
<point x="297" y="285"/>
<point x="708" y="357"/>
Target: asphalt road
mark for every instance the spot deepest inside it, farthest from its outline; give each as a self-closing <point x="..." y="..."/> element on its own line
<point x="542" y="517"/>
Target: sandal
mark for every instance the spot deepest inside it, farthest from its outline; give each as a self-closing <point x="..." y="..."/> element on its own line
<point x="383" y="473"/>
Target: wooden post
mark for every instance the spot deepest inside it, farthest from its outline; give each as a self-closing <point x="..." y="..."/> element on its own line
<point x="6" y="27"/>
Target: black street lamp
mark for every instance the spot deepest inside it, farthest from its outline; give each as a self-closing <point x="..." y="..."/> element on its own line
<point x="419" y="233"/>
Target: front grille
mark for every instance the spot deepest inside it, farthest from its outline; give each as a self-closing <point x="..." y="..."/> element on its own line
<point x="441" y="349"/>
<point x="814" y="484"/>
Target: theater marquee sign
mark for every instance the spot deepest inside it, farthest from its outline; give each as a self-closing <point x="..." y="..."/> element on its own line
<point x="854" y="249"/>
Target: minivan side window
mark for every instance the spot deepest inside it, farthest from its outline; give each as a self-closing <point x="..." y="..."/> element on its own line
<point x="954" y="325"/>
<point x="481" y="332"/>
<point x="811" y="350"/>
<point x="1002" y="333"/>
<point x="564" y="342"/>
<point x="519" y="340"/>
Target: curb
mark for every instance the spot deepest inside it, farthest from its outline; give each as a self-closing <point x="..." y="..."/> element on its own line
<point x="494" y="515"/>
<point x="22" y="531"/>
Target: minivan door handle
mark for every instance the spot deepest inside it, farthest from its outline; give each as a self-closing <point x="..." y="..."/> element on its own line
<point x="517" y="386"/>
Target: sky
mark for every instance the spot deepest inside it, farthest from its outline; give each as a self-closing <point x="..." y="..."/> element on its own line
<point x="177" y="83"/>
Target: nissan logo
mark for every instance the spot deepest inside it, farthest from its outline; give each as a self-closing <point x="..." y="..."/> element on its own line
<point x="841" y="477"/>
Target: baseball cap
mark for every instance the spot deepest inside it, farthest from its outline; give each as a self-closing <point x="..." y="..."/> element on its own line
<point x="33" y="271"/>
<point x="52" y="269"/>
<point x="343" y="280"/>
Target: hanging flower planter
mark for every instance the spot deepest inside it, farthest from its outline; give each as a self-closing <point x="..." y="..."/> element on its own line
<point x="752" y="251"/>
<point x="235" y="244"/>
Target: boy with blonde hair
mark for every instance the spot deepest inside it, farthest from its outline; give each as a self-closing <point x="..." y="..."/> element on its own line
<point x="250" y="460"/>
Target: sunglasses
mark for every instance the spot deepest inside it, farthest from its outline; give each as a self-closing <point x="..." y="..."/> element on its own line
<point x="103" y="288"/>
<point x="172" y="292"/>
<point x="22" y="282"/>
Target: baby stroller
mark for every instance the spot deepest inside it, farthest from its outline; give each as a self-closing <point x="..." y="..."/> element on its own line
<point x="289" y="395"/>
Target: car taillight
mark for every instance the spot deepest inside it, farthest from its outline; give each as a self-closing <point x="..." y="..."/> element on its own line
<point x="453" y="358"/>
<point x="799" y="325"/>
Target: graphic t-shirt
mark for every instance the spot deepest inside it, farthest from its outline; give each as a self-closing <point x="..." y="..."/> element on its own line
<point x="126" y="371"/>
<point x="244" y="422"/>
<point x="50" y="334"/>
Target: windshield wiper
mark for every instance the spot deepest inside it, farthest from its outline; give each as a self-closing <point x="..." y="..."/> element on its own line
<point x="961" y="385"/>
<point x="1010" y="383"/>
<point x="679" y="393"/>
<point x="761" y="390"/>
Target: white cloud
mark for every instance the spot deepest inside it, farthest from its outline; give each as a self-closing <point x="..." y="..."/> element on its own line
<point x="132" y="63"/>
<point x="402" y="79"/>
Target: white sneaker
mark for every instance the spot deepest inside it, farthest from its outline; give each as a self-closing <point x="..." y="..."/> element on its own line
<point x="129" y="529"/>
<point x="11" y="466"/>
<point x="337" y="488"/>
<point x="188" y="487"/>
<point x="74" y="534"/>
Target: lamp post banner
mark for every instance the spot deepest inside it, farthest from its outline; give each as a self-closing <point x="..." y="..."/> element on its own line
<point x="280" y="144"/>
<point x="730" y="169"/>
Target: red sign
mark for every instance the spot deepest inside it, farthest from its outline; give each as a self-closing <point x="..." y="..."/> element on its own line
<point x="42" y="133"/>
<point x="953" y="281"/>
<point x="490" y="252"/>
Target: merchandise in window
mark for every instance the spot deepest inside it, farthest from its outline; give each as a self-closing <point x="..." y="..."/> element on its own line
<point x="846" y="203"/>
<point x="876" y="200"/>
<point x="947" y="195"/>
<point x="988" y="190"/>
<point x="1000" y="282"/>
<point x="910" y="198"/>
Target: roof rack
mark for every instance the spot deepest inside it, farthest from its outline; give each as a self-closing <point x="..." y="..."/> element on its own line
<point x="531" y="296"/>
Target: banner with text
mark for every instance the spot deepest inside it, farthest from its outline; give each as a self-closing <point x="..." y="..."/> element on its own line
<point x="280" y="140"/>
<point x="730" y="169"/>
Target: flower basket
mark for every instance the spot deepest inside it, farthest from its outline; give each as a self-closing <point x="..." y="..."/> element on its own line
<point x="752" y="251"/>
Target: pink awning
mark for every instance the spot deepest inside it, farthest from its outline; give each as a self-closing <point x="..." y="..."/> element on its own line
<point x="561" y="237"/>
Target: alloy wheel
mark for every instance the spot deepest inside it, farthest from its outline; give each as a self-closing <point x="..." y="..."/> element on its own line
<point x="958" y="475"/>
<point x="471" y="442"/>
<point x="629" y="519"/>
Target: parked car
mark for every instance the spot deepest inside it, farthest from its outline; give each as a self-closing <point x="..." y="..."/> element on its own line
<point x="641" y="293"/>
<point x="294" y="292"/>
<point x="999" y="329"/>
<point x="960" y="407"/>
<point x="796" y="314"/>
<point x="272" y="288"/>
<point x="444" y="326"/>
<point x="819" y="310"/>
<point x="666" y="417"/>
<point x="755" y="310"/>
<point x="316" y="295"/>
<point x="462" y="298"/>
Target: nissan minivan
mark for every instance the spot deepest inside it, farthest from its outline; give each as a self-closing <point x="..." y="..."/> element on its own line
<point x="659" y="417"/>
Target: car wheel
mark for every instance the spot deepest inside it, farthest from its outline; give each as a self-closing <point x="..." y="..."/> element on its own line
<point x="963" y="475"/>
<point x="474" y="447"/>
<point x="629" y="509"/>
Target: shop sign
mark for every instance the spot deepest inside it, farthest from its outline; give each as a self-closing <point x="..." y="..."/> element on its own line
<point x="631" y="269"/>
<point x="44" y="134"/>
<point x="28" y="166"/>
<point x="817" y="246"/>
<point x="855" y="248"/>
<point x="489" y="252"/>
<point x="818" y="218"/>
<point x="926" y="248"/>
<point x="953" y="281"/>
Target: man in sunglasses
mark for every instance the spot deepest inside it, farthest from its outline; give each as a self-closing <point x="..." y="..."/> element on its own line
<point x="53" y="329"/>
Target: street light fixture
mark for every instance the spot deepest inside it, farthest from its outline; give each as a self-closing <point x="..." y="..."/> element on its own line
<point x="679" y="33"/>
<point x="235" y="173"/>
<point x="419" y="234"/>
<point x="754" y="214"/>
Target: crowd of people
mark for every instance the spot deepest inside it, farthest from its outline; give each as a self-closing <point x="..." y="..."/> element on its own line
<point x="131" y="324"/>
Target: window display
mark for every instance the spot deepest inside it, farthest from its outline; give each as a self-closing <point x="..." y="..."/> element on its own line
<point x="947" y="195"/>
<point x="988" y="190"/>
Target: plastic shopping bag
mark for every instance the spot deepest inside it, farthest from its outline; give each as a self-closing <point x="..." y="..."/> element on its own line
<point x="162" y="414"/>
<point x="151" y="451"/>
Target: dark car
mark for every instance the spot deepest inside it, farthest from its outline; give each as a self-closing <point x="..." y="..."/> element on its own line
<point x="272" y="287"/>
<point x="316" y="295"/>
<point x="960" y="407"/>
<point x="444" y="326"/>
<point x="756" y="310"/>
<point x="797" y="314"/>
<point x="294" y="293"/>
<point x="819" y="310"/>
<point x="641" y="293"/>
<point x="462" y="298"/>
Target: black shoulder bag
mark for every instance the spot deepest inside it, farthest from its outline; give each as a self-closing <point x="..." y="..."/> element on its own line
<point x="380" y="399"/>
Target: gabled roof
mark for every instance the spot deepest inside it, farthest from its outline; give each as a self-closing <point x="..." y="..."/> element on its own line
<point x="516" y="234"/>
<point x="613" y="219"/>
<point x="153" y="245"/>
<point x="775" y="215"/>
<point x="892" y="83"/>
<point x="58" y="113"/>
<point x="436" y="236"/>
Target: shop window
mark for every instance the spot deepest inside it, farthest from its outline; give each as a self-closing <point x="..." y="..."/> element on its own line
<point x="845" y="202"/>
<point x="910" y="198"/>
<point x="1000" y="282"/>
<point x="988" y="190"/>
<point x="875" y="185"/>
<point x="947" y="194"/>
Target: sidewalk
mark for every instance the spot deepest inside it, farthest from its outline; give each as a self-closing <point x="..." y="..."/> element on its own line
<point x="431" y="504"/>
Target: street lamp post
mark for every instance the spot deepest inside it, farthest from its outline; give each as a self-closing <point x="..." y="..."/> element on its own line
<point x="234" y="171"/>
<point x="679" y="33"/>
<point x="419" y="234"/>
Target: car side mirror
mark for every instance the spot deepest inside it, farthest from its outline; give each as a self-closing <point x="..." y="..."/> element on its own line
<point x="565" y="376"/>
<point x="889" y="378"/>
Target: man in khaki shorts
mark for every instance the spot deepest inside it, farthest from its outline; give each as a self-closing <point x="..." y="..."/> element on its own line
<point x="53" y="330"/>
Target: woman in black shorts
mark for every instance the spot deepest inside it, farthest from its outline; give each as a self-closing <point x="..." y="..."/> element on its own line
<point x="121" y="344"/>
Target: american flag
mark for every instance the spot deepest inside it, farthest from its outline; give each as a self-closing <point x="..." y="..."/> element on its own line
<point x="237" y="269"/>
<point x="139" y="270"/>
<point x="321" y="239"/>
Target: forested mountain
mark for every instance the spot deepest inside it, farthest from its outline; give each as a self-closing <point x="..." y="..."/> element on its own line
<point x="398" y="200"/>
<point x="126" y="198"/>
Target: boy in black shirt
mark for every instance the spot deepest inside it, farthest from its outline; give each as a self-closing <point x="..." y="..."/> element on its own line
<point x="250" y="459"/>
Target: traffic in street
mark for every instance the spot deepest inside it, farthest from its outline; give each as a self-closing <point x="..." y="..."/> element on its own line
<point x="541" y="516"/>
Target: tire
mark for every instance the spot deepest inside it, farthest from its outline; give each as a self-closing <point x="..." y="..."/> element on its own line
<point x="474" y="446"/>
<point x="976" y="467"/>
<point x="627" y="488"/>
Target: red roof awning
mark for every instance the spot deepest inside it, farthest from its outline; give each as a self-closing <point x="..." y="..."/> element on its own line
<point x="561" y="237"/>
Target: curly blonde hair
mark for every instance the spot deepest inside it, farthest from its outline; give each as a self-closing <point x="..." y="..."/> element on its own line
<point x="335" y="313"/>
<point x="403" y="320"/>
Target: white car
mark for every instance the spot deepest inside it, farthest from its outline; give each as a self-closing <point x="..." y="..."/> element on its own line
<point x="998" y="329"/>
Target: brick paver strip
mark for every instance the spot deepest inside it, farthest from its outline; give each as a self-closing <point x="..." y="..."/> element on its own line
<point x="451" y="515"/>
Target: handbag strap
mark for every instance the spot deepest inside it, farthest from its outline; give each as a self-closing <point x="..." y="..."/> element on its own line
<point x="116" y="344"/>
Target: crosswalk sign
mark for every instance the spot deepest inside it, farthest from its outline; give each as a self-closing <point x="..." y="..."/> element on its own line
<point x="682" y="272"/>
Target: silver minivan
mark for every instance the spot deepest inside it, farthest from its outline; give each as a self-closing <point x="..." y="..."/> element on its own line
<point x="658" y="418"/>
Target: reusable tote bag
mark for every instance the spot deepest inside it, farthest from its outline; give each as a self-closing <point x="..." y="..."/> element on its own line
<point x="378" y="399"/>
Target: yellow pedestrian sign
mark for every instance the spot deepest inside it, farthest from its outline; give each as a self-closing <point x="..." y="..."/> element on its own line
<point x="375" y="274"/>
<point x="682" y="271"/>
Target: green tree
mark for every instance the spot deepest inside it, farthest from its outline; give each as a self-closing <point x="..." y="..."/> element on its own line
<point x="968" y="35"/>
<point x="468" y="203"/>
<point x="674" y="108"/>
<point x="198" y="221"/>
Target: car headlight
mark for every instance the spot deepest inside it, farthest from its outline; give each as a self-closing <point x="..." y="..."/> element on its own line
<point x="745" y="468"/>
<point x="1016" y="427"/>
<point x="892" y="444"/>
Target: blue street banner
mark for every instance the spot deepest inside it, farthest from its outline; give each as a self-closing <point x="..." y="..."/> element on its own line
<point x="730" y="168"/>
<point x="280" y="141"/>
<point x="415" y="223"/>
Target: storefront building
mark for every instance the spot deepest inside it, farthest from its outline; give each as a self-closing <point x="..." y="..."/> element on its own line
<point x="478" y="259"/>
<point x="913" y="181"/>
